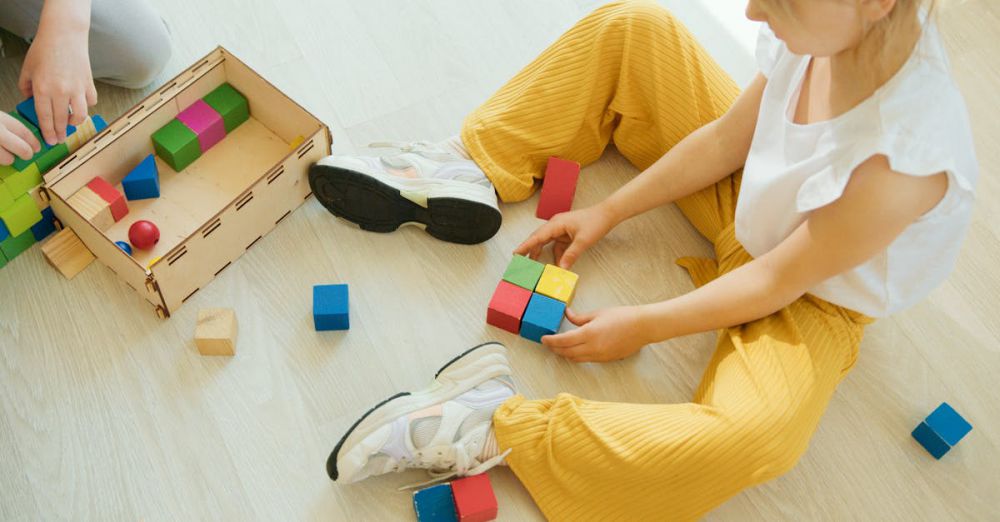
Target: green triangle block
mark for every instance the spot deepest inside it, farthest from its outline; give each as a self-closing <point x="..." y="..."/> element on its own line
<point x="14" y="245"/>
<point x="524" y="272"/>
<point x="20" y="216"/>
<point x="230" y="104"/>
<point x="176" y="144"/>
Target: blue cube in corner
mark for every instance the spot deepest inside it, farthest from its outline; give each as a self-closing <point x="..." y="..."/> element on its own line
<point x="143" y="182"/>
<point x="941" y="430"/>
<point x="435" y="504"/>
<point x="46" y="226"/>
<point x="542" y="317"/>
<point x="330" y="307"/>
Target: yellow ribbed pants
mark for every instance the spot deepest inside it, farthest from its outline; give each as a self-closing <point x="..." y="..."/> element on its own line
<point x="632" y="73"/>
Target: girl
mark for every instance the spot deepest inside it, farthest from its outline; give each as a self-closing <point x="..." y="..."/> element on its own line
<point x="856" y="188"/>
<point x="125" y="40"/>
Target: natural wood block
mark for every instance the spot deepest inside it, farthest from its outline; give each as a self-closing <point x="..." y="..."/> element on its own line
<point x="67" y="253"/>
<point x="114" y="197"/>
<point x="93" y="208"/>
<point x="216" y="331"/>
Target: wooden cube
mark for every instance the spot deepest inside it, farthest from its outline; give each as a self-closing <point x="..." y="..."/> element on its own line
<point x="434" y="504"/>
<point x="216" y="331"/>
<point x="114" y="197"/>
<point x="20" y="181"/>
<point x="52" y="157"/>
<point x="20" y="216"/>
<point x="230" y="104"/>
<point x="474" y="499"/>
<point x="507" y="306"/>
<point x="330" y="307"/>
<point x="941" y="430"/>
<point x="557" y="283"/>
<point x="13" y="246"/>
<point x="93" y="208"/>
<point x="176" y="144"/>
<point x="67" y="253"/>
<point x="542" y="317"/>
<point x="558" y="187"/>
<point x="524" y="272"/>
<point x="205" y="122"/>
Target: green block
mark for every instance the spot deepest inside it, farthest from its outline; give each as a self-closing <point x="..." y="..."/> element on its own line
<point x="176" y="144"/>
<point x="21" y="216"/>
<point x="229" y="103"/>
<point x="14" y="245"/>
<point x="52" y="157"/>
<point x="19" y="163"/>
<point x="6" y="198"/>
<point x="524" y="272"/>
<point x="3" y="259"/>
<point x="19" y="182"/>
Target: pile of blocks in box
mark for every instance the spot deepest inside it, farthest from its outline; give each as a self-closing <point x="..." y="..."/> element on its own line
<point x="25" y="215"/>
<point x="468" y="499"/>
<point x="531" y="298"/>
<point x="200" y="126"/>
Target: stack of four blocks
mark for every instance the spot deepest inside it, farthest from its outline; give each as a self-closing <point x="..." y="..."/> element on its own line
<point x="531" y="299"/>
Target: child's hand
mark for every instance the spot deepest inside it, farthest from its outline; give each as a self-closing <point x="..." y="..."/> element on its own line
<point x="573" y="232"/>
<point x="605" y="335"/>
<point x="16" y="140"/>
<point x="57" y="73"/>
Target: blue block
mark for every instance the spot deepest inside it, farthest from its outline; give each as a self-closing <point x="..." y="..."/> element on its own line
<point x="930" y="440"/>
<point x="330" y="310"/>
<point x="542" y="317"/>
<point x="948" y="424"/>
<point x="27" y="110"/>
<point x="99" y="122"/>
<point x="143" y="182"/>
<point x="4" y="233"/>
<point x="127" y="248"/>
<point x="46" y="226"/>
<point x="435" y="504"/>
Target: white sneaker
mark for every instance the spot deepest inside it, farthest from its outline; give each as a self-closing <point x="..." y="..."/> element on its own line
<point x="423" y="184"/>
<point x="442" y="428"/>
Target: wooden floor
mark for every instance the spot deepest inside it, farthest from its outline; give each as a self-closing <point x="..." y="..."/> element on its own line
<point x="108" y="413"/>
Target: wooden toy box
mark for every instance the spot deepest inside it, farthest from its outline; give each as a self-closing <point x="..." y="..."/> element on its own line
<point x="215" y="209"/>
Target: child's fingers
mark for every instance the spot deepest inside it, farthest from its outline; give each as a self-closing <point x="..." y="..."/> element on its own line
<point x="91" y="95"/>
<point x="565" y="339"/>
<point x="60" y="116"/>
<point x="79" y="106"/>
<point x="29" y="137"/>
<point x="43" y="107"/>
<point x="6" y="158"/>
<point x="580" y="319"/>
<point x="14" y="145"/>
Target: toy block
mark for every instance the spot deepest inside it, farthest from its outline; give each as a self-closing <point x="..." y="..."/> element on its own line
<point x="435" y="504"/>
<point x="524" y="272"/>
<point x="115" y="199"/>
<point x="557" y="283"/>
<point x="215" y="333"/>
<point x="143" y="182"/>
<point x="27" y="110"/>
<point x="84" y="132"/>
<point x="46" y="226"/>
<point x="6" y="198"/>
<point x="176" y="144"/>
<point x="4" y="233"/>
<point x="19" y="182"/>
<point x="230" y="104"/>
<point x="558" y="187"/>
<point x="93" y="208"/>
<point x="40" y="198"/>
<point x="474" y="499"/>
<point x="30" y="126"/>
<point x="507" y="306"/>
<point x="941" y="430"/>
<point x="14" y="245"/>
<point x="99" y="123"/>
<point x="52" y="157"/>
<point x="542" y="317"/>
<point x="3" y="260"/>
<point x="330" y="307"/>
<point x="205" y="122"/>
<point x="67" y="253"/>
<point x="21" y="215"/>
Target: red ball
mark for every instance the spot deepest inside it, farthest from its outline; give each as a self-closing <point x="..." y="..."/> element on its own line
<point x="143" y="234"/>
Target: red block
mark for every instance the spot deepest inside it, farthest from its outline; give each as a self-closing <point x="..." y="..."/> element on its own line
<point x="558" y="187"/>
<point x="507" y="306"/>
<point x="474" y="499"/>
<point x="119" y="208"/>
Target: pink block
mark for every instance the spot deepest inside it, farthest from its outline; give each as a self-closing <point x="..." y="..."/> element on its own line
<point x="205" y="122"/>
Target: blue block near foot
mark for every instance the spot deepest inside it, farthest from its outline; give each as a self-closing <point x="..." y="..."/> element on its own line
<point x="542" y="317"/>
<point x="330" y="307"/>
<point x="941" y="430"/>
<point x="46" y="226"/>
<point x="143" y="182"/>
<point x="435" y="504"/>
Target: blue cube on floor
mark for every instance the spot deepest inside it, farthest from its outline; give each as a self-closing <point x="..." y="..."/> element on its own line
<point x="435" y="504"/>
<point x="542" y="317"/>
<point x="941" y="430"/>
<point x="143" y="182"/>
<point x="330" y="310"/>
<point x="46" y="226"/>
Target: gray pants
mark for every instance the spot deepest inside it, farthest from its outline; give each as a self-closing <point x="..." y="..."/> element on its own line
<point x="129" y="43"/>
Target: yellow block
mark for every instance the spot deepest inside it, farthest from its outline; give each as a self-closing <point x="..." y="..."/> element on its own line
<point x="557" y="283"/>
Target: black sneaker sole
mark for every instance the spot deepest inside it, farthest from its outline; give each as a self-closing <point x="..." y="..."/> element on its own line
<point x="378" y="207"/>
<point x="331" y="461"/>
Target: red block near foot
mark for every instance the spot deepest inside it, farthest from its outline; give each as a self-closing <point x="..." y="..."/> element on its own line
<point x="474" y="499"/>
<point x="507" y="306"/>
<point x="558" y="187"/>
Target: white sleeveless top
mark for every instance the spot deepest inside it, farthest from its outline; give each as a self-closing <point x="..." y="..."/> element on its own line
<point x="918" y="120"/>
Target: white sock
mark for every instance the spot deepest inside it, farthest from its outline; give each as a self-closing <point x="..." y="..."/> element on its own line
<point x="454" y="144"/>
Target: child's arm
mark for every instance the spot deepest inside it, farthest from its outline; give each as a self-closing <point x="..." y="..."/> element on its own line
<point x="707" y="155"/>
<point x="877" y="205"/>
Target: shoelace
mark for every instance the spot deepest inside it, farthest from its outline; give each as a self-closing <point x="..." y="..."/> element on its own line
<point x="424" y="148"/>
<point x="462" y="467"/>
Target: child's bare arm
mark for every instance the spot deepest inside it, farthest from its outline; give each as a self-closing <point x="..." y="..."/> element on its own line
<point x="877" y="205"/>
